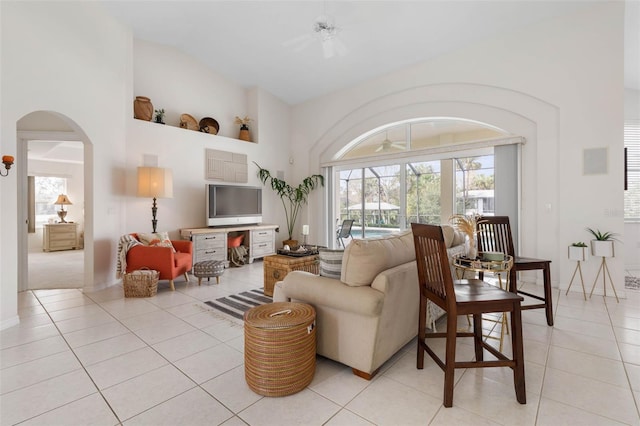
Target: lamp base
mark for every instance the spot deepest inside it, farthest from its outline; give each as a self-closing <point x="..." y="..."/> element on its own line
<point x="62" y="214"/>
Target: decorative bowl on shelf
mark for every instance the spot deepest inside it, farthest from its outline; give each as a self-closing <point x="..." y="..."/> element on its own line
<point x="209" y="125"/>
<point x="188" y="122"/>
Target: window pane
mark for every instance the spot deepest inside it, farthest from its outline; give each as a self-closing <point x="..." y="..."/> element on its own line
<point x="47" y="189"/>
<point x="475" y="185"/>
<point x="423" y="193"/>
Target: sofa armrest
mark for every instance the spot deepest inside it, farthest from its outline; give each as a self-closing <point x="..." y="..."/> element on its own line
<point x="183" y="246"/>
<point x="330" y="292"/>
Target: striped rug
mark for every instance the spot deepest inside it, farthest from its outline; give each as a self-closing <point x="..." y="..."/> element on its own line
<point x="237" y="304"/>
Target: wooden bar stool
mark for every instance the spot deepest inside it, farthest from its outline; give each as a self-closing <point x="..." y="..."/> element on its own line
<point x="465" y="297"/>
<point x="494" y="234"/>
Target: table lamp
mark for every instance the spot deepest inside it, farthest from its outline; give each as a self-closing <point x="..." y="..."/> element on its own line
<point x="62" y="200"/>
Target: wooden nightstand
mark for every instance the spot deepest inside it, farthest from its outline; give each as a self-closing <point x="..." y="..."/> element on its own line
<point x="59" y="236"/>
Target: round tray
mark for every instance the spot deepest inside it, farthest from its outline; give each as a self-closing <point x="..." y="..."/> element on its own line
<point x="209" y="125"/>
<point x="188" y="122"/>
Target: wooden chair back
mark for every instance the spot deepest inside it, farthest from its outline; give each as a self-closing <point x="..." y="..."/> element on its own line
<point x="494" y="234"/>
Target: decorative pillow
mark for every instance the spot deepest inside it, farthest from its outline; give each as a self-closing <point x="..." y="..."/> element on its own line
<point x="330" y="262"/>
<point x="158" y="239"/>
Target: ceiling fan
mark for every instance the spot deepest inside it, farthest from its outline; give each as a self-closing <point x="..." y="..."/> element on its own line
<point x="387" y="145"/>
<point x="326" y="32"/>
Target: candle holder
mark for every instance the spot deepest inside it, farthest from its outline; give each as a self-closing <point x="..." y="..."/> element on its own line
<point x="7" y="160"/>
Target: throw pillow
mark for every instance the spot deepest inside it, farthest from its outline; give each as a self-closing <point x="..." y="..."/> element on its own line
<point x="157" y="239"/>
<point x="330" y="262"/>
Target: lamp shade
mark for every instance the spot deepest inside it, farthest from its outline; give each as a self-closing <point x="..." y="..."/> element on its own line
<point x="63" y="200"/>
<point x="155" y="182"/>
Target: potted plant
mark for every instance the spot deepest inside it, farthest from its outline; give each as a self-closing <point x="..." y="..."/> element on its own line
<point x="578" y="251"/>
<point x="292" y="197"/>
<point x="602" y="244"/>
<point x="159" y="118"/>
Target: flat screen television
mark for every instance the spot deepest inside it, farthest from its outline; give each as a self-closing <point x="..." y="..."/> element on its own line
<point x="233" y="205"/>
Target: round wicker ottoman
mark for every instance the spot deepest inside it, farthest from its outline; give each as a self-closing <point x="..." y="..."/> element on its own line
<point x="279" y="348"/>
<point x="208" y="269"/>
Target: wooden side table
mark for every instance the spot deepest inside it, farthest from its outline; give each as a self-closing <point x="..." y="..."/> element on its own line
<point x="277" y="267"/>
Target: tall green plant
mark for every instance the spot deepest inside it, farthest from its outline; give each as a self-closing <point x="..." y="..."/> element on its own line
<point x="292" y="197"/>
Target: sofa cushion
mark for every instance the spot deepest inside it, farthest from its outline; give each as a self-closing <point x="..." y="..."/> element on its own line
<point x="364" y="259"/>
<point x="330" y="262"/>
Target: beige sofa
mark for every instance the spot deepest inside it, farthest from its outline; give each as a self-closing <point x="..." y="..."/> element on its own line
<point x="371" y="312"/>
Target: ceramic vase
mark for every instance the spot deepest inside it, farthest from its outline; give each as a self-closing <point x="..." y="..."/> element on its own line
<point x="578" y="253"/>
<point x="471" y="248"/>
<point x="602" y="248"/>
<point x="142" y="108"/>
<point x="244" y="133"/>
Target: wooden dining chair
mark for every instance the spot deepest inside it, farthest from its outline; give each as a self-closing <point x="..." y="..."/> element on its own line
<point x="465" y="297"/>
<point x="494" y="234"/>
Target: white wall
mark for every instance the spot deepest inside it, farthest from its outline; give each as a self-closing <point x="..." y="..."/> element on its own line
<point x="547" y="82"/>
<point x="182" y="84"/>
<point x="69" y="58"/>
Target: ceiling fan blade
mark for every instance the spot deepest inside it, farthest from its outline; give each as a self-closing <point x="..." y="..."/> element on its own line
<point x="340" y="47"/>
<point x="327" y="48"/>
<point x="380" y="148"/>
<point x="297" y="40"/>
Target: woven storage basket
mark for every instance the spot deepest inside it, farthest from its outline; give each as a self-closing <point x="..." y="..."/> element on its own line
<point x="279" y="348"/>
<point x="140" y="283"/>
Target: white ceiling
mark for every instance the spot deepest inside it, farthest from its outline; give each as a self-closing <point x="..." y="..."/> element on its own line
<point x="250" y="42"/>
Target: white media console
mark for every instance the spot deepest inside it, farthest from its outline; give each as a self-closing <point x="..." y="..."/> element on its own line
<point x="211" y="243"/>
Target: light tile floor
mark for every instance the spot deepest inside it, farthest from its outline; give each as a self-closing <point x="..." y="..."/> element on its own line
<point x="98" y="358"/>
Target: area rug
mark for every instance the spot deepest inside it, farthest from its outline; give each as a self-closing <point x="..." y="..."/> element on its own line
<point x="632" y="283"/>
<point x="236" y="305"/>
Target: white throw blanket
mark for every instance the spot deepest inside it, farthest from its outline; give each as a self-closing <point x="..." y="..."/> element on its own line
<point x="126" y="242"/>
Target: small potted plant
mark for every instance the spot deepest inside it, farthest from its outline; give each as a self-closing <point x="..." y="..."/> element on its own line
<point x="578" y="251"/>
<point x="244" y="128"/>
<point x="602" y="244"/>
<point x="159" y="117"/>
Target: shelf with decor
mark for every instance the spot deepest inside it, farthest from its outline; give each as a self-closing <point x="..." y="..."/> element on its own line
<point x="182" y="131"/>
<point x="143" y="110"/>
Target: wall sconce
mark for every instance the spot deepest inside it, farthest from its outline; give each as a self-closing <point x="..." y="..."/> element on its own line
<point x="7" y="160"/>
<point x="154" y="182"/>
<point x="63" y="200"/>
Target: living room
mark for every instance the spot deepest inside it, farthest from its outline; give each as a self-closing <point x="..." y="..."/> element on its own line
<point x="545" y="82"/>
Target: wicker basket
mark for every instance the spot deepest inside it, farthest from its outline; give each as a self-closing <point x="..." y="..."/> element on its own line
<point x="279" y="348"/>
<point x="140" y="283"/>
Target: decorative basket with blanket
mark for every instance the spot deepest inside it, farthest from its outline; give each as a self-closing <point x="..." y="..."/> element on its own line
<point x="140" y="283"/>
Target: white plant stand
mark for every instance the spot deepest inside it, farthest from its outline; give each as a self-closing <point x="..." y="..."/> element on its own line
<point x="603" y="249"/>
<point x="579" y="254"/>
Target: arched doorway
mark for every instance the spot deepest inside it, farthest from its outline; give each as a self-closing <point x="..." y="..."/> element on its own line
<point x="55" y="148"/>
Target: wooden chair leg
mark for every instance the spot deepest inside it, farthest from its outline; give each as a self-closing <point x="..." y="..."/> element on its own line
<point x="218" y="280"/>
<point x="422" y="325"/>
<point x="547" y="295"/>
<point x="173" y="287"/>
<point x="450" y="360"/>
<point x="186" y="276"/>
<point x="518" y="355"/>
<point x="477" y="338"/>
<point x="199" y="280"/>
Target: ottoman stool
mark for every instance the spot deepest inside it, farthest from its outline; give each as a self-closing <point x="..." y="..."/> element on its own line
<point x="208" y="269"/>
<point x="279" y="348"/>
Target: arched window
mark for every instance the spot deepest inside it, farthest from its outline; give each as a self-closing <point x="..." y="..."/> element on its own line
<point x="421" y="170"/>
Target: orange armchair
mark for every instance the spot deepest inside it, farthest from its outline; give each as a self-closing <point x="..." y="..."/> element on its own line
<point x="162" y="259"/>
